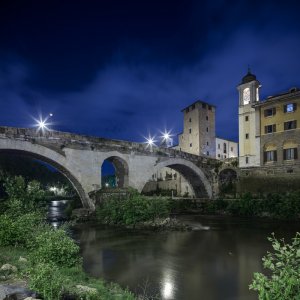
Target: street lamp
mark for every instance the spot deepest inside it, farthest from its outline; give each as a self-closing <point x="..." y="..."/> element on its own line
<point x="167" y="140"/>
<point x="43" y="124"/>
<point x="150" y="141"/>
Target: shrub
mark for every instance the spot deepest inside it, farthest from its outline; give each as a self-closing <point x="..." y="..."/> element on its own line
<point x="284" y="264"/>
<point x="54" y="246"/>
<point x="46" y="279"/>
<point x="23" y="197"/>
<point x="18" y="230"/>
<point x="135" y="208"/>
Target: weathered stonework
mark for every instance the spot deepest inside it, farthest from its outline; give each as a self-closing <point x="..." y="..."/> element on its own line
<point x="80" y="159"/>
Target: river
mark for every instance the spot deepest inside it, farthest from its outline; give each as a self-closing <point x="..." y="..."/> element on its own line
<point x="215" y="263"/>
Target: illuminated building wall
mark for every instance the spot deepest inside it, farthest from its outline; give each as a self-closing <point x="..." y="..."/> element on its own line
<point x="280" y="129"/>
<point x="226" y="149"/>
<point x="249" y="122"/>
<point x="199" y="131"/>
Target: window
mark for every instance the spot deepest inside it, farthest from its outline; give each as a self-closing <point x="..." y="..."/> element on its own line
<point x="187" y="110"/>
<point x="190" y="130"/>
<point x="219" y="155"/>
<point x="231" y="149"/>
<point x="224" y="156"/>
<point x="206" y="129"/>
<point x="207" y="153"/>
<point x="290" y="107"/>
<point x="209" y="107"/>
<point x="246" y="118"/>
<point x="191" y="144"/>
<point x="270" y="156"/>
<point x="247" y="136"/>
<point x="224" y="148"/>
<point x="270" y="128"/>
<point x="193" y="106"/>
<point x="270" y="112"/>
<point x="219" y="146"/>
<point x="247" y="160"/>
<point x="289" y="154"/>
<point x="203" y="105"/>
<point x="190" y="120"/>
<point x="207" y="143"/>
<point x="206" y="118"/>
<point x="290" y="125"/>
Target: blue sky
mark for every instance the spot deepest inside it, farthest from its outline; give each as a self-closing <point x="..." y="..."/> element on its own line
<point x="124" y="69"/>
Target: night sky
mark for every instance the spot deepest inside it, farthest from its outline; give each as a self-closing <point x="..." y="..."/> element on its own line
<point x="123" y="69"/>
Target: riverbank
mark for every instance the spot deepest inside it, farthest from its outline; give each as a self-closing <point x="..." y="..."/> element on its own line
<point x="273" y="206"/>
<point x="34" y="255"/>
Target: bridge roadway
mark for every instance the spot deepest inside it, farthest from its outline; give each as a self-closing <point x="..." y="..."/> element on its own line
<point x="80" y="157"/>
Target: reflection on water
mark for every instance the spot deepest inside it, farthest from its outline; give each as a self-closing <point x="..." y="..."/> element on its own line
<point x="213" y="264"/>
<point x="56" y="212"/>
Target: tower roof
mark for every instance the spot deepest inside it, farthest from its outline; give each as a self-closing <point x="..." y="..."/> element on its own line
<point x="248" y="77"/>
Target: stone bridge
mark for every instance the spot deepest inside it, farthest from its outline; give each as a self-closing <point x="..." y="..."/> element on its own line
<point x="80" y="158"/>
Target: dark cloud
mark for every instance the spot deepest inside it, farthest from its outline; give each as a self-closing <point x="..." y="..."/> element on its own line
<point x="126" y="70"/>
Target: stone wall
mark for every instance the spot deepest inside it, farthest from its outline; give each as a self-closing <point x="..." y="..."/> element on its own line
<point x="266" y="180"/>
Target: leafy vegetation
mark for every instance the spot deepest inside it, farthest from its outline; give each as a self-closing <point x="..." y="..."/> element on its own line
<point x="278" y="206"/>
<point x="283" y="283"/>
<point x="53" y="266"/>
<point x="133" y="209"/>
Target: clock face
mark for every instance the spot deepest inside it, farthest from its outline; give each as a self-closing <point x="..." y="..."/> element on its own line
<point x="246" y="96"/>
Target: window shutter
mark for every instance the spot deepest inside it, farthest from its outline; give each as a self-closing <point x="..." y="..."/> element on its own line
<point x="294" y="106"/>
<point x="295" y="153"/>
<point x="274" y="111"/>
<point x="284" y="108"/>
<point x="295" y="124"/>
<point x="265" y="156"/>
<point x="285" y="125"/>
<point x="284" y="154"/>
<point x="266" y="129"/>
<point x="265" y="113"/>
<point x="274" y="128"/>
<point x="275" y="155"/>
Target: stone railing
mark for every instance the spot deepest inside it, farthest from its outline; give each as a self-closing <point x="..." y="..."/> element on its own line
<point x="72" y="140"/>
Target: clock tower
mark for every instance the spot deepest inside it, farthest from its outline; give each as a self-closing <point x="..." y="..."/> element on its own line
<point x="249" y="121"/>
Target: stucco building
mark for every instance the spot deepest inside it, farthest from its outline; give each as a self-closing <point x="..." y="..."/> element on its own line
<point x="226" y="148"/>
<point x="269" y="133"/>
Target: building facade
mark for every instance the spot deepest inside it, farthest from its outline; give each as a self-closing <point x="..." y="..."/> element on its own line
<point x="249" y="122"/>
<point x="199" y="131"/>
<point x="226" y="149"/>
<point x="269" y="133"/>
<point x="279" y="130"/>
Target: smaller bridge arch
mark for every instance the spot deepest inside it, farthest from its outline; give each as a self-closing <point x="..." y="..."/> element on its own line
<point x="121" y="169"/>
<point x="193" y="174"/>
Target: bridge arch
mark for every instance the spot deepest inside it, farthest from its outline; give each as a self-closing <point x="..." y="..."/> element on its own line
<point x="121" y="169"/>
<point x="193" y="174"/>
<point x="52" y="158"/>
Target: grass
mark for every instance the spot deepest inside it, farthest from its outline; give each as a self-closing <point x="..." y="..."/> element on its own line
<point x="69" y="277"/>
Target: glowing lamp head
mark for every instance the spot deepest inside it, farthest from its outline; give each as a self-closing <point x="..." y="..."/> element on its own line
<point x="41" y="124"/>
<point x="150" y="141"/>
<point x="166" y="136"/>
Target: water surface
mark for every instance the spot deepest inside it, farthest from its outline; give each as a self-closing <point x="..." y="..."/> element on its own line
<point x="217" y="263"/>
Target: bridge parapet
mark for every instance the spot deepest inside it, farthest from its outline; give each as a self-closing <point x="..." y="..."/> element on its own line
<point x="59" y="140"/>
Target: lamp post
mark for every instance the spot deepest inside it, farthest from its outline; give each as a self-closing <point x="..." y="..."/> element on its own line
<point x="42" y="124"/>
